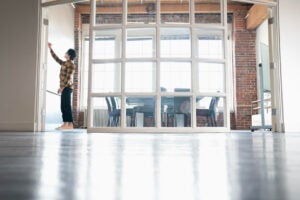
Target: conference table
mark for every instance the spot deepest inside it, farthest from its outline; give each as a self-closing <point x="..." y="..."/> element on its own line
<point x="175" y="110"/>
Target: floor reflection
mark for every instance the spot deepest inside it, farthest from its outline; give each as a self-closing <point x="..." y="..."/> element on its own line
<point x="150" y="166"/>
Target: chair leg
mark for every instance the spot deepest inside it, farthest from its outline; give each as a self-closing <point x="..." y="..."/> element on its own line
<point x="131" y="121"/>
<point x="209" y="121"/>
<point x="109" y="121"/>
<point x="115" y="121"/>
<point x="118" y="120"/>
<point x="213" y="117"/>
<point x="214" y="122"/>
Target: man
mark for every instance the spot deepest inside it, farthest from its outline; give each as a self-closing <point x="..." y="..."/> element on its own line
<point x="66" y="85"/>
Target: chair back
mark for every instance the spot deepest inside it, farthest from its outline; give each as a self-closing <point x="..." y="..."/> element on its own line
<point x="213" y="105"/>
<point x="113" y="103"/>
<point x="109" y="107"/>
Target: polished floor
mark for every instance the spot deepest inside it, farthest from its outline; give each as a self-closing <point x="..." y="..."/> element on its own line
<point x="80" y="166"/>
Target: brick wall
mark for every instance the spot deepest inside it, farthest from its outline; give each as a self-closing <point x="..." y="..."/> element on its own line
<point x="244" y="61"/>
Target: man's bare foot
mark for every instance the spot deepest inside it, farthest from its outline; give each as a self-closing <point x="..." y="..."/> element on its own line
<point x="67" y="126"/>
<point x="60" y="127"/>
<point x="70" y="127"/>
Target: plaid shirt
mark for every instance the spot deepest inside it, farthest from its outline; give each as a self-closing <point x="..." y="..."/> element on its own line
<point x="66" y="71"/>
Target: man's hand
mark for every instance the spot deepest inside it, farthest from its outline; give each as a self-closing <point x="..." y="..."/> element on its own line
<point x="59" y="91"/>
<point x="49" y="45"/>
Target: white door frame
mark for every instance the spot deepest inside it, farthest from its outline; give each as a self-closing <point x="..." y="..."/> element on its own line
<point x="40" y="118"/>
<point x="275" y="63"/>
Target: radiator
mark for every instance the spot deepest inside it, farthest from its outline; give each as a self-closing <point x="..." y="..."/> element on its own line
<point x="100" y="118"/>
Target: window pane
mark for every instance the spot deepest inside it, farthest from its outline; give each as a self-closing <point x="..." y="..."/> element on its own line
<point x="109" y="12"/>
<point x="208" y="12"/>
<point x="174" y="12"/>
<point x="172" y="39"/>
<point x="176" y="111"/>
<point x="210" y="44"/>
<point x="140" y="111"/>
<point x="144" y="12"/>
<point x="106" y="77"/>
<point x="175" y="76"/>
<point x="210" y="111"/>
<point x="106" y="111"/>
<point x="140" y="43"/>
<point x="211" y="77"/>
<point x="107" y="44"/>
<point x="140" y="77"/>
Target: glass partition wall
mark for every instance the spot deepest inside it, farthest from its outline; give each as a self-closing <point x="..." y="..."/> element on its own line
<point x="158" y="66"/>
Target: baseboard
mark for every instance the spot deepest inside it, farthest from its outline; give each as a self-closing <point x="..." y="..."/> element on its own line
<point x="17" y="126"/>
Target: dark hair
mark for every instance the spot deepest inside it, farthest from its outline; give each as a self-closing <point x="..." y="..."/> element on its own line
<point x="71" y="53"/>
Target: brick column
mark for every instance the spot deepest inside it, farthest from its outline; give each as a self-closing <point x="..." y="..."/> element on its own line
<point x="245" y="69"/>
<point x="76" y="92"/>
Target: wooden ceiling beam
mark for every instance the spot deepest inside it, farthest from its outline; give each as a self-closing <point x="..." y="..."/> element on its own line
<point x="256" y="15"/>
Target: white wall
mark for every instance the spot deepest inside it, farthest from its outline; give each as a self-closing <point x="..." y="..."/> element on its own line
<point x="61" y="35"/>
<point x="18" y="63"/>
<point x="19" y="53"/>
<point x="289" y="15"/>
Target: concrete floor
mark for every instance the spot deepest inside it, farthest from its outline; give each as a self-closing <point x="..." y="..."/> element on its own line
<point x="77" y="165"/>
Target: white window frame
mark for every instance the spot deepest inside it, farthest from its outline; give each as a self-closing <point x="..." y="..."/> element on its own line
<point x="158" y="94"/>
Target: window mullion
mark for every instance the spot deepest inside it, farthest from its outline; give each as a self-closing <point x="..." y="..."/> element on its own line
<point x="123" y="64"/>
<point x="226" y="74"/>
<point x="194" y="77"/>
<point x="158" y="92"/>
<point x="91" y="45"/>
